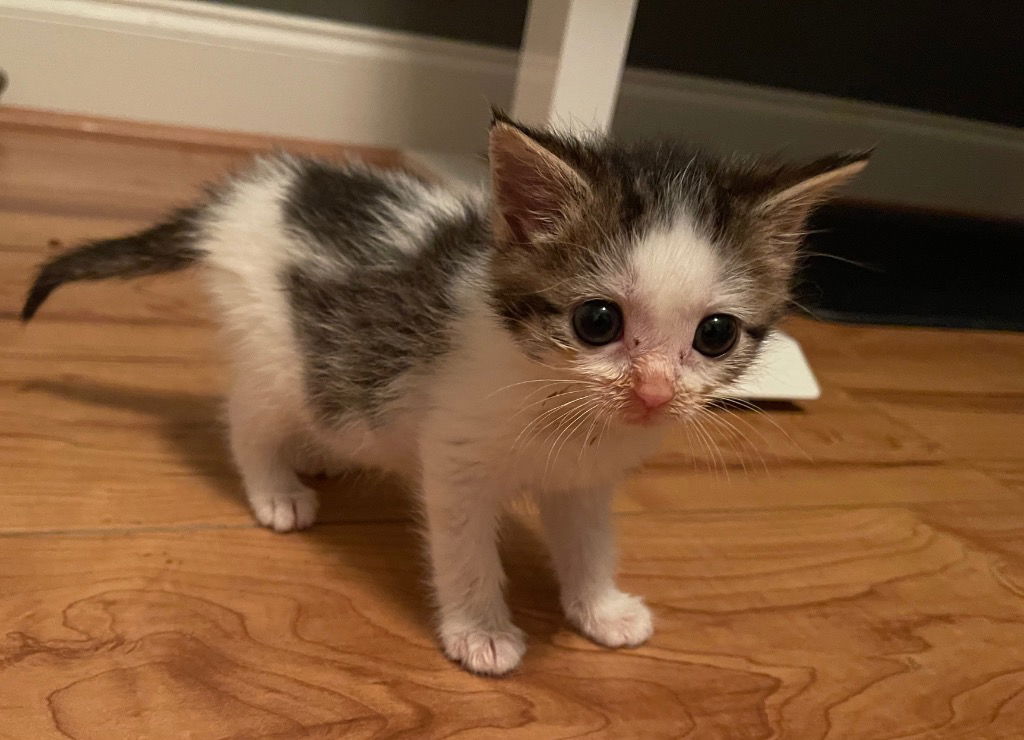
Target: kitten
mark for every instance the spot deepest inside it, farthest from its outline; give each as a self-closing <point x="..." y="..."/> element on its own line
<point x="537" y="338"/>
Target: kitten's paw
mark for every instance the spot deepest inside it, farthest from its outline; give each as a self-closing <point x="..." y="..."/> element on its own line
<point x="284" y="511"/>
<point x="615" y="619"/>
<point x="483" y="651"/>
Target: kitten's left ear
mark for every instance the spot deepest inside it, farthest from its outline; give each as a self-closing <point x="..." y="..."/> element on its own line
<point x="534" y="189"/>
<point x="795" y="191"/>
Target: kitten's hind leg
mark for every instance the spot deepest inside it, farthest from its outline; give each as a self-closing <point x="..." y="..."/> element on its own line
<point x="260" y="436"/>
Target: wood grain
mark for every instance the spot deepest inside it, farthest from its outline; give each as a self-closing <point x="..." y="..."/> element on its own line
<point x="157" y="134"/>
<point x="848" y="568"/>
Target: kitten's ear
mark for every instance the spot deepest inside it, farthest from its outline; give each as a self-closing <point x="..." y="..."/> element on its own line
<point x="795" y="191"/>
<point x="534" y="189"/>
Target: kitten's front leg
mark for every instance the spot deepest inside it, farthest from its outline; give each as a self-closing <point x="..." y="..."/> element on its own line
<point x="462" y="518"/>
<point x="579" y="532"/>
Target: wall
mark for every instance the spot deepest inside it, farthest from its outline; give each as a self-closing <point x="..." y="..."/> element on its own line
<point x="215" y="66"/>
<point x="945" y="56"/>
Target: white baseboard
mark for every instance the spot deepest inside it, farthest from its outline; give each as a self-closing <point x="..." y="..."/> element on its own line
<point x="198" y="64"/>
<point x="203" y="65"/>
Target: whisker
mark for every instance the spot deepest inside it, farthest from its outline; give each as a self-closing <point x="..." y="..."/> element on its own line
<point x="716" y="449"/>
<point x="615" y="408"/>
<point x="536" y="380"/>
<point x="566" y="432"/>
<point x="705" y="415"/>
<point x="541" y="401"/>
<point x="690" y="446"/>
<point x="567" y="405"/>
<point x="734" y="433"/>
<point x="767" y="442"/>
<point x="764" y="415"/>
<point x="837" y="258"/>
<point x="598" y="413"/>
<point x="699" y="430"/>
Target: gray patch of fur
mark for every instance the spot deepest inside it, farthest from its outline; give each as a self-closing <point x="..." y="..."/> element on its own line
<point x="362" y="329"/>
<point x="337" y="212"/>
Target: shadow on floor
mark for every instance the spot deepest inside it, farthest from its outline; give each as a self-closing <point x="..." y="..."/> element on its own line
<point x="193" y="425"/>
<point x="190" y="423"/>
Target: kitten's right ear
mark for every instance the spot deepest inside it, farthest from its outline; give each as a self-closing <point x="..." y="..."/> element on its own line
<point x="793" y="192"/>
<point x="534" y="189"/>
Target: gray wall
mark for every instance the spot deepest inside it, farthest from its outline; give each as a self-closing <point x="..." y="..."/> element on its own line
<point x="958" y="57"/>
<point x="498" y="22"/>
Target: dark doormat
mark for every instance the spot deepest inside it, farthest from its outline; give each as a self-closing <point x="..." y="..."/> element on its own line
<point x="877" y="265"/>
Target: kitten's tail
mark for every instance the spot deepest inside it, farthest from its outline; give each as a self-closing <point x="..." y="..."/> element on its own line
<point x="168" y="246"/>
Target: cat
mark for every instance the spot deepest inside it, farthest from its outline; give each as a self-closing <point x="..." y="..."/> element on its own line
<point x="540" y="335"/>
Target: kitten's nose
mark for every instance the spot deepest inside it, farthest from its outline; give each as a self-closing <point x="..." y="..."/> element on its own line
<point x="654" y="392"/>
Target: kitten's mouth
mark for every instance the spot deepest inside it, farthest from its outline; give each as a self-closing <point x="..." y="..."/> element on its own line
<point x="639" y="415"/>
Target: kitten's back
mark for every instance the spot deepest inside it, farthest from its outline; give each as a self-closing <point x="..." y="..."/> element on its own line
<point x="340" y="216"/>
<point x="349" y="270"/>
<point x="333" y="282"/>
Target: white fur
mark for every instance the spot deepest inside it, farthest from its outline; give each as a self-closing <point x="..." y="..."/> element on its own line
<point x="674" y="272"/>
<point x="471" y="435"/>
<point x="675" y="278"/>
<point x="407" y="225"/>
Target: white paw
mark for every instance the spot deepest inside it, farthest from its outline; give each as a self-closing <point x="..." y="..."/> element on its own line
<point x="484" y="651"/>
<point x="284" y="511"/>
<point x="615" y="619"/>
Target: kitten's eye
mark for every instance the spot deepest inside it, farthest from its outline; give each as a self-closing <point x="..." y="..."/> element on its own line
<point x="597" y="322"/>
<point x="716" y="335"/>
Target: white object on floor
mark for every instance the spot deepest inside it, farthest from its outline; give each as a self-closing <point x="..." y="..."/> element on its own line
<point x="783" y="373"/>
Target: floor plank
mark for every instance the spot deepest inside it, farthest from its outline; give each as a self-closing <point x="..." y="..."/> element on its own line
<point x="969" y="426"/>
<point x="905" y="359"/>
<point x="834" y="430"/>
<point x="64" y="436"/>
<point x="675" y="490"/>
<point x="797" y="621"/>
<point x="846" y="568"/>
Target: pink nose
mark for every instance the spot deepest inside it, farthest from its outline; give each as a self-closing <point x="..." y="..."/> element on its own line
<point x="654" y="392"/>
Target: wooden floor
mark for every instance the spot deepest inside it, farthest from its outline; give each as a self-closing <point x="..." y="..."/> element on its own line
<point x="854" y="568"/>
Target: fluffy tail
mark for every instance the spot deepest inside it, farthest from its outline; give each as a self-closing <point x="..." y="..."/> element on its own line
<point x="163" y="248"/>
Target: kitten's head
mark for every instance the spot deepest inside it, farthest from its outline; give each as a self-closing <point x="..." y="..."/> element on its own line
<point x="651" y="273"/>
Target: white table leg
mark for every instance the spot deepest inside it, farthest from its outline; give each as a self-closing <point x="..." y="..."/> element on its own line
<point x="571" y="62"/>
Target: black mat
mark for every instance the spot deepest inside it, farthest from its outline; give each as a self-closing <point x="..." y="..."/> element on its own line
<point x="886" y="266"/>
